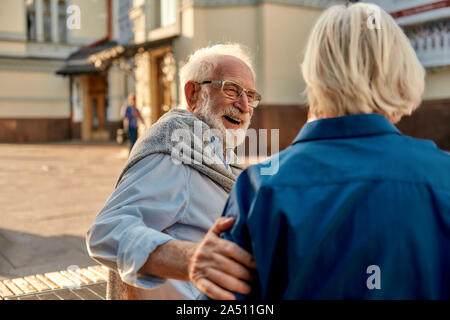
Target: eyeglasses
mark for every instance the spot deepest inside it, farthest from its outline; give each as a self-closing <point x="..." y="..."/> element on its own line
<point x="233" y="91"/>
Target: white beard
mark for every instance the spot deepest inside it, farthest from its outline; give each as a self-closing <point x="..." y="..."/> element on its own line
<point x="233" y="137"/>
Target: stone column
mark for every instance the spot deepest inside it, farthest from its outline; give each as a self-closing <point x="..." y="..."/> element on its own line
<point x="39" y="21"/>
<point x="54" y="19"/>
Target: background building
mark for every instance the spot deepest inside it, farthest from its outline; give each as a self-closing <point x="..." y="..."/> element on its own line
<point x="427" y="25"/>
<point x="147" y="42"/>
<point x="275" y="32"/>
<point x="48" y="90"/>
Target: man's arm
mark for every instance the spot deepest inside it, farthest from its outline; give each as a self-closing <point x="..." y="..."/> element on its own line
<point x="216" y="266"/>
<point x="150" y="198"/>
<point x="127" y="235"/>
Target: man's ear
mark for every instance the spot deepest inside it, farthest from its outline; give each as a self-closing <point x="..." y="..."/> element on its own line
<point x="191" y="92"/>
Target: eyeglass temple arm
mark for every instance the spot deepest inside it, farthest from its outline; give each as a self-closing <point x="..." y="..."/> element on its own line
<point x="210" y="81"/>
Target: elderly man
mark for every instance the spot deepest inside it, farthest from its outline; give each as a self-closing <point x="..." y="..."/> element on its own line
<point x="357" y="210"/>
<point x="153" y="230"/>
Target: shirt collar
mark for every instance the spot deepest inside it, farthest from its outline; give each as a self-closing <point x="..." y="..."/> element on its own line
<point x="217" y="145"/>
<point x="356" y="125"/>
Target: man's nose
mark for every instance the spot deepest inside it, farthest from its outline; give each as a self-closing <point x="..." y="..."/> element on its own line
<point x="243" y="105"/>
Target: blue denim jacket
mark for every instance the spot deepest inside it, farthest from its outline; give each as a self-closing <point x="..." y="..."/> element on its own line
<point x="356" y="211"/>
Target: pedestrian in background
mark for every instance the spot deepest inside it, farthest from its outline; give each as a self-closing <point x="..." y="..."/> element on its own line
<point x="130" y="115"/>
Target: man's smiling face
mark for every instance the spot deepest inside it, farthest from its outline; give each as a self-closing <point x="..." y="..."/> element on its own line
<point x="222" y="112"/>
<point x="234" y="114"/>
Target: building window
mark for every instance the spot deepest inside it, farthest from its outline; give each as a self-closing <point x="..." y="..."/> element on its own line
<point x="44" y="25"/>
<point x="164" y="20"/>
<point x="168" y="12"/>
<point x="62" y="27"/>
<point x="125" y="25"/>
<point x="47" y="18"/>
<point x="31" y="20"/>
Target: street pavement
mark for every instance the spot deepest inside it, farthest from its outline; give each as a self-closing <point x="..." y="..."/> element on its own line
<point x="49" y="196"/>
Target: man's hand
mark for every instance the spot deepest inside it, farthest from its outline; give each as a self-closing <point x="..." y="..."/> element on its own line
<point x="215" y="266"/>
<point x="218" y="266"/>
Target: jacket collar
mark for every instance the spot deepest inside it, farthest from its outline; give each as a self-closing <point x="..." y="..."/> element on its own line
<point x="356" y="125"/>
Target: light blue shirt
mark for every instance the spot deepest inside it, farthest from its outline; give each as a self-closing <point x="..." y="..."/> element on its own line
<point x="156" y="201"/>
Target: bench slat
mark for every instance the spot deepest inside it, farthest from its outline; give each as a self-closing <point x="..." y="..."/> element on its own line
<point x="47" y="281"/>
<point x="38" y="284"/>
<point x="82" y="277"/>
<point x="100" y="272"/>
<point x="34" y="284"/>
<point x="24" y="285"/>
<point x="59" y="279"/>
<point x="72" y="278"/>
<point x="4" y="291"/>
<point x="11" y="286"/>
<point x="91" y="275"/>
<point x="79" y="276"/>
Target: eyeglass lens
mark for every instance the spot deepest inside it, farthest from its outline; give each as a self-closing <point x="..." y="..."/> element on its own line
<point x="234" y="91"/>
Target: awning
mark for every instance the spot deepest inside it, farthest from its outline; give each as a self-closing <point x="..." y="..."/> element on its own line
<point x="103" y="59"/>
<point x="77" y="62"/>
<point x="77" y="70"/>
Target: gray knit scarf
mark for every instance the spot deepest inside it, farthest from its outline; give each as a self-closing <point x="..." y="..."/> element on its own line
<point x="187" y="139"/>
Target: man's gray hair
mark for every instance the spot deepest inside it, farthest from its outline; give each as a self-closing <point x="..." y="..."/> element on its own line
<point x="202" y="62"/>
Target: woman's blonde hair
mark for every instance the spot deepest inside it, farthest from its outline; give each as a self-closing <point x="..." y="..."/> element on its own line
<point x="358" y="60"/>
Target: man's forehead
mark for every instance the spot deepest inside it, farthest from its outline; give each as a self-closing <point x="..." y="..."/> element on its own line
<point x="235" y="69"/>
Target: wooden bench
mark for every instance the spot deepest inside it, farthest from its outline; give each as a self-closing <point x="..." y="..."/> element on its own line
<point x="79" y="284"/>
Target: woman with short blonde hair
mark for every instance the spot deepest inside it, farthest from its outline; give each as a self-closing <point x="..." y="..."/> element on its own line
<point x="358" y="60"/>
<point x="357" y="210"/>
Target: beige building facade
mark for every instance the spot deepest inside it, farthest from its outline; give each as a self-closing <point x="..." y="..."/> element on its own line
<point x="149" y="40"/>
<point x="275" y="32"/>
<point x="45" y="95"/>
<point x="427" y="25"/>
